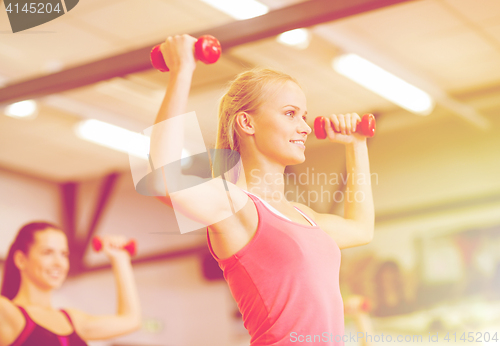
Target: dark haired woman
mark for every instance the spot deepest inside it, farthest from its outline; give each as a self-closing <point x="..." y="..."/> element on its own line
<point x="37" y="263"/>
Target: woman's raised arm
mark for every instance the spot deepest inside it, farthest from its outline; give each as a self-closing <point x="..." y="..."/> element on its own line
<point x="167" y="136"/>
<point x="128" y="316"/>
<point x="178" y="54"/>
<point x="206" y="201"/>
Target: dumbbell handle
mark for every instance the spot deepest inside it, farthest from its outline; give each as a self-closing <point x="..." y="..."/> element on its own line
<point x="365" y="127"/>
<point x="130" y="247"/>
<point x="206" y="49"/>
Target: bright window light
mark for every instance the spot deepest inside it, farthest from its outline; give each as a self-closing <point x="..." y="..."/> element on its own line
<point x="114" y="137"/>
<point x="384" y="83"/>
<point x="298" y="38"/>
<point x="23" y="109"/>
<point x="120" y="139"/>
<point x="241" y="9"/>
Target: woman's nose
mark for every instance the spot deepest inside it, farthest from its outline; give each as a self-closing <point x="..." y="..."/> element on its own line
<point x="60" y="261"/>
<point x="306" y="129"/>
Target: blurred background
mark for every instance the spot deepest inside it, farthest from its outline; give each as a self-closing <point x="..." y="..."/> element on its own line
<point x="434" y="264"/>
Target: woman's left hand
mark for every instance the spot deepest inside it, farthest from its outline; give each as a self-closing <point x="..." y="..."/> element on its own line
<point x="353" y="305"/>
<point x="346" y="126"/>
<point x="112" y="246"/>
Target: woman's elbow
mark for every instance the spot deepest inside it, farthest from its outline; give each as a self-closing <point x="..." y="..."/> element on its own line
<point x="137" y="326"/>
<point x="368" y="235"/>
<point x="134" y="324"/>
<point x="365" y="235"/>
<point x="131" y="322"/>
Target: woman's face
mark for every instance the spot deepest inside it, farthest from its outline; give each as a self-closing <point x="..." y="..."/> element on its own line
<point x="47" y="263"/>
<point x="281" y="120"/>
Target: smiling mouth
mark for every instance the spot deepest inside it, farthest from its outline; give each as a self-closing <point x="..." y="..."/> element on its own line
<point x="55" y="274"/>
<point x="300" y="143"/>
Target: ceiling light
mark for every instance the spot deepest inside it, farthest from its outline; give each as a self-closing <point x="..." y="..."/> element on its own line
<point x="298" y="38"/>
<point x="114" y="137"/>
<point x="120" y="139"/>
<point x="384" y="83"/>
<point x="23" y="109"/>
<point x="241" y="9"/>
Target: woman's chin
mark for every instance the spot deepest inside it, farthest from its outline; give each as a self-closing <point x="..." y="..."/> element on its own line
<point x="298" y="160"/>
<point x="54" y="284"/>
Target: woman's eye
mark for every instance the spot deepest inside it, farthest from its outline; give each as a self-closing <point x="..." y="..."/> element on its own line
<point x="292" y="113"/>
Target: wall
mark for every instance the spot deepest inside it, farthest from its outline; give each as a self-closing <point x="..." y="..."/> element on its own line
<point x="24" y="199"/>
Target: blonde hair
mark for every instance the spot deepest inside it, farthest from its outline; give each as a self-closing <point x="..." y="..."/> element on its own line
<point x="246" y="93"/>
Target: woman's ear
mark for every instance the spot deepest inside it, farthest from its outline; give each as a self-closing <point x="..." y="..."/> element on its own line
<point x="245" y="122"/>
<point x="20" y="260"/>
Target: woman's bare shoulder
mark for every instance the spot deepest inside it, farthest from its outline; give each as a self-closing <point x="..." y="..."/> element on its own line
<point x="8" y="309"/>
<point x="11" y="321"/>
<point x="5" y="306"/>
<point x="243" y="215"/>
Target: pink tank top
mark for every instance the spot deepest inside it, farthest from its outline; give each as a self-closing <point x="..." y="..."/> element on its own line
<point x="286" y="283"/>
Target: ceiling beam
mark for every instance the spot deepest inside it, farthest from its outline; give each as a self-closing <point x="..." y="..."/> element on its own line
<point x="69" y="198"/>
<point x="102" y="202"/>
<point x="304" y="14"/>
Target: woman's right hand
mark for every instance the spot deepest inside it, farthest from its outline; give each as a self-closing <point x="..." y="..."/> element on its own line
<point x="353" y="305"/>
<point x="113" y="247"/>
<point x="178" y="53"/>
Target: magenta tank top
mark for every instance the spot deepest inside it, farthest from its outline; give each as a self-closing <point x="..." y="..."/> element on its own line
<point x="286" y="283"/>
<point x="36" y="335"/>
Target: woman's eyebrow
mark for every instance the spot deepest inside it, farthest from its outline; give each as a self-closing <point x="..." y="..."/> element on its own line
<point x="297" y="108"/>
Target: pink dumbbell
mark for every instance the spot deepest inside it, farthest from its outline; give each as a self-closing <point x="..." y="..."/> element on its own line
<point x="365" y="127"/>
<point x="131" y="246"/>
<point x="207" y="49"/>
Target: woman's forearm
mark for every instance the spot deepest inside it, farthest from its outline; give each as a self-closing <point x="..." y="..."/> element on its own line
<point x="176" y="97"/>
<point x="128" y="298"/>
<point x="167" y="135"/>
<point x="364" y="325"/>
<point x="359" y="199"/>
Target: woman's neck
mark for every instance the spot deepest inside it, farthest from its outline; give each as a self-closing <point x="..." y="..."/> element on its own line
<point x="30" y="294"/>
<point x="264" y="180"/>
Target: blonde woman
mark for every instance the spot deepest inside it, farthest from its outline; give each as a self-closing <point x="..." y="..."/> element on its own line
<point x="280" y="258"/>
<point x="37" y="263"/>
